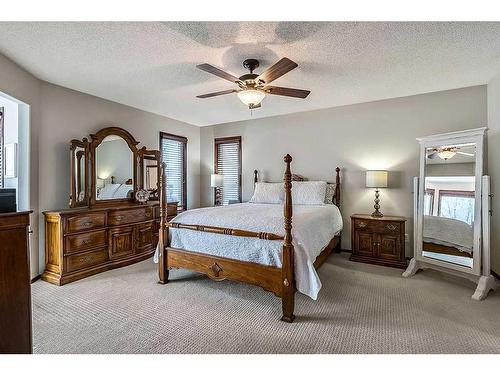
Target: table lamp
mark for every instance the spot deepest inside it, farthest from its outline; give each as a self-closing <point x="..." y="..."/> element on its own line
<point x="217" y="181"/>
<point x="376" y="179"/>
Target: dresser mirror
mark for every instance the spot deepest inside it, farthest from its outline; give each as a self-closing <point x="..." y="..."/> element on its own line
<point x="114" y="164"/>
<point x="111" y="168"/>
<point x="451" y="208"/>
<point x="79" y="173"/>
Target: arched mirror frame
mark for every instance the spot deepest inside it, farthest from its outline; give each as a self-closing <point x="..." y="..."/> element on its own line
<point x="97" y="139"/>
<point x="138" y="156"/>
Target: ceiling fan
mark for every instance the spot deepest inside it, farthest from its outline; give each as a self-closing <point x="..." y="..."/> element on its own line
<point x="252" y="88"/>
<point x="446" y="153"/>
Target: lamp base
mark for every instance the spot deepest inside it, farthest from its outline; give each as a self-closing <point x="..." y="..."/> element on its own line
<point x="377" y="213"/>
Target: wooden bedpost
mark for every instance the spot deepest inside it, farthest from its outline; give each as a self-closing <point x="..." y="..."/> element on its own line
<point x="163" y="235"/>
<point x="255" y="177"/>
<point x="287" y="270"/>
<point x="337" y="187"/>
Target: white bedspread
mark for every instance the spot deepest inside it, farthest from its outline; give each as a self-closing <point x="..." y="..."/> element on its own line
<point x="449" y="232"/>
<point x="312" y="229"/>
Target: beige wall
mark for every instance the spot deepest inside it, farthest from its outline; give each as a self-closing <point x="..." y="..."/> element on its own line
<point x="58" y="115"/>
<point x="493" y="167"/>
<point x="68" y="114"/>
<point x="376" y="135"/>
<point x="21" y="85"/>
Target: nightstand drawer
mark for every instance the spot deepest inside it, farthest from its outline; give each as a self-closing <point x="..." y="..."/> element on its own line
<point x="377" y="226"/>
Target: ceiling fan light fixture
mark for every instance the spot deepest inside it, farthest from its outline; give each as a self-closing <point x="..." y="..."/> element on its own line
<point x="446" y="154"/>
<point x="251" y="97"/>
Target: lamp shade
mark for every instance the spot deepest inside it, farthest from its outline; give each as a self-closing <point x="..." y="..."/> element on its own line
<point x="376" y="179"/>
<point x="216" y="180"/>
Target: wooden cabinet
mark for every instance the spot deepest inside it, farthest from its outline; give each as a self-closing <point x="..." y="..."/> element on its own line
<point x="84" y="241"/>
<point x="15" y="284"/>
<point x="121" y="242"/>
<point x="378" y="240"/>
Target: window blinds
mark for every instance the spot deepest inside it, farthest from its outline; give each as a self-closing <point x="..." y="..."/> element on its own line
<point x="173" y="154"/>
<point x="228" y="163"/>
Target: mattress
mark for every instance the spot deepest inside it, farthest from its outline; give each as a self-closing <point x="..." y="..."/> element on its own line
<point x="313" y="226"/>
<point x="449" y="232"/>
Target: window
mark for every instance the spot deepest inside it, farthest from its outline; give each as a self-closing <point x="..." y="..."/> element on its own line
<point x="428" y="201"/>
<point x="173" y="150"/>
<point x="228" y="163"/>
<point x="457" y="205"/>
<point x="1" y="147"/>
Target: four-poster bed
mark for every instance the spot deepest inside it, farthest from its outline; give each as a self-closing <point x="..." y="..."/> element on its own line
<point x="280" y="280"/>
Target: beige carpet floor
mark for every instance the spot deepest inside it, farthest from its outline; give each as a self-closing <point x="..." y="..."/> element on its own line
<point x="361" y="309"/>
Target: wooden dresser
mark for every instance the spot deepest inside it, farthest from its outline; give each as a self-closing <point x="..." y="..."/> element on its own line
<point x="84" y="241"/>
<point x="15" y="284"/>
<point x="378" y="240"/>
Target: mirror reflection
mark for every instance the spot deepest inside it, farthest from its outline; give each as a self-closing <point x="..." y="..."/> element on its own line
<point x="150" y="174"/>
<point x="79" y="175"/>
<point x="449" y="201"/>
<point x="114" y="169"/>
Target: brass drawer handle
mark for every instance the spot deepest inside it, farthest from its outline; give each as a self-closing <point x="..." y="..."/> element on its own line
<point x="362" y="224"/>
<point x="391" y="226"/>
<point x="88" y="223"/>
<point x="148" y="214"/>
<point x="119" y="218"/>
<point x="86" y="241"/>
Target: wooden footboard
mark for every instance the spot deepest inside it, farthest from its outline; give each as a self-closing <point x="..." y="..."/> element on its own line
<point x="280" y="281"/>
<point x="219" y="268"/>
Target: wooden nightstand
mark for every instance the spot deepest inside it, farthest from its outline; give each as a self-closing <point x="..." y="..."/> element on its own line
<point x="378" y="240"/>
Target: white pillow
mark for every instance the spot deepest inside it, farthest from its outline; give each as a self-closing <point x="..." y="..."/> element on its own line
<point x="330" y="193"/>
<point x="107" y="191"/>
<point x="308" y="192"/>
<point x="268" y="192"/>
<point x="123" y="191"/>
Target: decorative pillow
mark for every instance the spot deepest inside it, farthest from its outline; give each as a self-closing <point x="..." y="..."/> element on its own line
<point x="268" y="192"/>
<point x="330" y="193"/>
<point x="309" y="192"/>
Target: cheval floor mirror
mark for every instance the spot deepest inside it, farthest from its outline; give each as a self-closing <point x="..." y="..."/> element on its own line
<point x="452" y="208"/>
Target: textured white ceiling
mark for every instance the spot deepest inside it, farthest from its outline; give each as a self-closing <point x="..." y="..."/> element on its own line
<point x="152" y="66"/>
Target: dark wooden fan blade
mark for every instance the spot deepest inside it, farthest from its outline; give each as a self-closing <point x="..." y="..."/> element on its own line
<point x="277" y="70"/>
<point x="216" y="93"/>
<point x="218" y="72"/>
<point x="286" y="91"/>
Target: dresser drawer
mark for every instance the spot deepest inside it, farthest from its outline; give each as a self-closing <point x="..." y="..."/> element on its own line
<point x="377" y="226"/>
<point x="80" y="242"/>
<point x="85" y="222"/>
<point x="130" y="216"/>
<point x="80" y="261"/>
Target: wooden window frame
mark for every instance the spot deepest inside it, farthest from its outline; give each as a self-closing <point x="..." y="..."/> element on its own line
<point x="184" y="141"/>
<point x="455" y="193"/>
<point x="223" y="140"/>
<point x="432" y="193"/>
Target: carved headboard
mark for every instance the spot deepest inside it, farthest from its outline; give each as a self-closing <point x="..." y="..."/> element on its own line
<point x="297" y="177"/>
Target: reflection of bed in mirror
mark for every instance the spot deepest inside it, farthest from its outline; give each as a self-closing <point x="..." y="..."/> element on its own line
<point x="447" y="236"/>
<point x="115" y="191"/>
